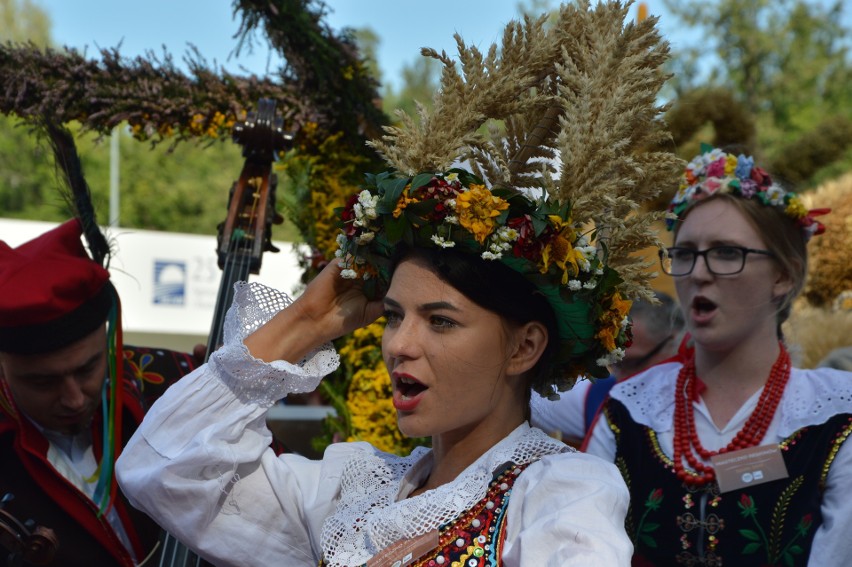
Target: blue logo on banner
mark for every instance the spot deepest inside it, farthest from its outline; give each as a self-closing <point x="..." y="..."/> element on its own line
<point x="169" y="282"/>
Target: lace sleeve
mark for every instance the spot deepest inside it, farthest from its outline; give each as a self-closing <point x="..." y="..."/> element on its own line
<point x="253" y="380"/>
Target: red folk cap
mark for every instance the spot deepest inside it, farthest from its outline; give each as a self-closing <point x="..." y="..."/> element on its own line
<point x="51" y="292"/>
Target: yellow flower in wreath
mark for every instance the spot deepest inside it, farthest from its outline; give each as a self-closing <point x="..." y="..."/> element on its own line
<point x="477" y="209"/>
<point x="404" y="201"/>
<point x="611" y="320"/>
<point x="560" y="251"/>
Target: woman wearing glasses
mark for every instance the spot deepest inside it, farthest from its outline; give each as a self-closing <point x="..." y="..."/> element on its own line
<point x="733" y="456"/>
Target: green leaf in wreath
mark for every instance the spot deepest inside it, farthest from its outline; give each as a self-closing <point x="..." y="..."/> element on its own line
<point x="393" y="189"/>
<point x="750" y="535"/>
<point x="420" y="209"/>
<point x="394" y="229"/>
<point x="650" y="526"/>
<point x="420" y="180"/>
<point x="539" y="223"/>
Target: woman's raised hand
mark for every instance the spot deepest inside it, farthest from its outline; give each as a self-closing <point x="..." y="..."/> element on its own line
<point x="330" y="307"/>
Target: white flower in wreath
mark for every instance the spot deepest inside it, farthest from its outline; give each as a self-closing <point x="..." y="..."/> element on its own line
<point x="442" y="242"/>
<point x="366" y="238"/>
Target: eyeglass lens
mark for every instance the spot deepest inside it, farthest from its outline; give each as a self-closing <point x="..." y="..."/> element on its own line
<point x="721" y="260"/>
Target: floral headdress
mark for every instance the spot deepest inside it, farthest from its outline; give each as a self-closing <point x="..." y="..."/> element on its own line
<point x="716" y="172"/>
<point x="555" y="166"/>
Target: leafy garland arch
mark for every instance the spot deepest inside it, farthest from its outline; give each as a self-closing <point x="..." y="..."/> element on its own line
<point x="327" y="97"/>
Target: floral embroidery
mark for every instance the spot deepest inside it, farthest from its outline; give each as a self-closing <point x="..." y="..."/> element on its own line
<point x="643" y="530"/>
<point x="139" y="372"/>
<point x="757" y="539"/>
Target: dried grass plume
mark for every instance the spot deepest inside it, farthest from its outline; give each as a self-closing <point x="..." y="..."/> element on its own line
<point x="568" y="107"/>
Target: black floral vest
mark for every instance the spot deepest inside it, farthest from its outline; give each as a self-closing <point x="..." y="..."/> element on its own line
<point x="767" y="524"/>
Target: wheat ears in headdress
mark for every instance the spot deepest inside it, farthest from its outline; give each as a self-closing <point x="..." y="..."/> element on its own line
<point x="570" y="107"/>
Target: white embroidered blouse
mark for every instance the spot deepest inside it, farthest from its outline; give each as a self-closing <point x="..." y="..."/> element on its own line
<point x="201" y="466"/>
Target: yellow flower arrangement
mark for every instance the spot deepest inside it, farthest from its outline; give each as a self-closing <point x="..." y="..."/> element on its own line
<point x="317" y="177"/>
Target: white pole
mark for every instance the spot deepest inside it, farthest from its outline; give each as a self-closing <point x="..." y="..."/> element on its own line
<point x="114" y="207"/>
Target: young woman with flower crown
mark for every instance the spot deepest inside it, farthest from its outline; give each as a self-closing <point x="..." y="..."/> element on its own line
<point x="734" y="457"/>
<point x="488" y="291"/>
<point x="466" y="339"/>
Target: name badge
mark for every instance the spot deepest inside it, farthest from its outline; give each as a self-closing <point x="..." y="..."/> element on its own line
<point x="405" y="551"/>
<point x="748" y="467"/>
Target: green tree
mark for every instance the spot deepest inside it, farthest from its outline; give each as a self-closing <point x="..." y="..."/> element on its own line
<point x="787" y="60"/>
<point x="788" y="63"/>
<point x="179" y="189"/>
<point x="368" y="44"/>
<point x="24" y="181"/>
<point x="419" y="82"/>
<point x="23" y="20"/>
<point x="419" y="78"/>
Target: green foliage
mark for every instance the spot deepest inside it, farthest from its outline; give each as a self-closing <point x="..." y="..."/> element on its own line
<point x="786" y="61"/>
<point x="28" y="189"/>
<point x="184" y="189"/>
<point x="24" y="20"/>
<point x="419" y="83"/>
<point x="797" y="162"/>
<point x="368" y="43"/>
<point x="336" y="88"/>
<point x="324" y="89"/>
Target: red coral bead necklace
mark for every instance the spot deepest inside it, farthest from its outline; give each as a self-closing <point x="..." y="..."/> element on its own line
<point x="686" y="442"/>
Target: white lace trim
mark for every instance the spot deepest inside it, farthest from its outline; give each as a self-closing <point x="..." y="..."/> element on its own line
<point x="253" y="380"/>
<point x="812" y="397"/>
<point x="369" y="517"/>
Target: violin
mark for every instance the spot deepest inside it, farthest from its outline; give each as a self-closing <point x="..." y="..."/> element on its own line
<point x="25" y="541"/>
<point x="243" y="238"/>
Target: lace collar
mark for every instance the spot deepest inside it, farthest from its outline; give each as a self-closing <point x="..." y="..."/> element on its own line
<point x="811" y="397"/>
<point x="369" y="516"/>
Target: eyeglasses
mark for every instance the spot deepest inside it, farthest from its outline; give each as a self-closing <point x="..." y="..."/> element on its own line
<point x="720" y="260"/>
<point x="633" y="365"/>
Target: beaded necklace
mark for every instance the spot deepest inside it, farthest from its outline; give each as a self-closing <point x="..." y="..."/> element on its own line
<point x="686" y="441"/>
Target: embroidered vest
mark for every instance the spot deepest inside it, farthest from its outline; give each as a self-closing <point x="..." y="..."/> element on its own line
<point x="475" y="539"/>
<point x="767" y="524"/>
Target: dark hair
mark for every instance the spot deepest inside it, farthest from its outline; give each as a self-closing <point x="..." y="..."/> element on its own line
<point x="495" y="287"/>
<point x="661" y="320"/>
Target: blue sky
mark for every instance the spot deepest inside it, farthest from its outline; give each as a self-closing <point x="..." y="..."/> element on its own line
<point x="404" y="26"/>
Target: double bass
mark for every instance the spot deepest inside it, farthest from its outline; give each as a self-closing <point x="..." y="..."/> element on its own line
<point x="243" y="238"/>
<point x="25" y="541"/>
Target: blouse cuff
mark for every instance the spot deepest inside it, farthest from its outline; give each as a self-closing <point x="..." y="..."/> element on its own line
<point x="250" y="379"/>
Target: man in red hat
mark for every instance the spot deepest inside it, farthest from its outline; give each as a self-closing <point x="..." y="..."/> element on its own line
<point x="70" y="395"/>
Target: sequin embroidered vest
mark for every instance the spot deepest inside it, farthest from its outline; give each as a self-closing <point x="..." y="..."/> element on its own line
<point x="767" y="524"/>
<point x="475" y="539"/>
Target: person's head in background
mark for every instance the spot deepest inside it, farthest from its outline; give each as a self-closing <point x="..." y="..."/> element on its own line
<point x="54" y="305"/>
<point x="657" y="331"/>
<point x="839" y="358"/>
